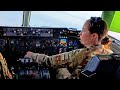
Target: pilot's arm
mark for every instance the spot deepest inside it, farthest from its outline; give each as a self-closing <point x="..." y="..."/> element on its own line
<point x="58" y="60"/>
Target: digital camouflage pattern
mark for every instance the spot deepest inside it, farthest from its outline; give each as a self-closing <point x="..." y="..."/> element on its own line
<point x="74" y="59"/>
<point x="4" y="71"/>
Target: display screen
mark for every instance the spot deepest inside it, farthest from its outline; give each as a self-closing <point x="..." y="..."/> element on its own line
<point x="63" y="42"/>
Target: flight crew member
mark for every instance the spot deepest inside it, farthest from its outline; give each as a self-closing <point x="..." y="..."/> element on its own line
<point x="68" y="64"/>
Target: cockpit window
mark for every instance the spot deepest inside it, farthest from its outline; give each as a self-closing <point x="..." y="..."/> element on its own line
<point x="11" y="18"/>
<point x="68" y="19"/>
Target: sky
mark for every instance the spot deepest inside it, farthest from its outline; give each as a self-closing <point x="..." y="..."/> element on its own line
<point x="69" y="19"/>
<point x="11" y="18"/>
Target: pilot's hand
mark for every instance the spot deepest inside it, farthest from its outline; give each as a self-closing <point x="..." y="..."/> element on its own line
<point x="28" y="54"/>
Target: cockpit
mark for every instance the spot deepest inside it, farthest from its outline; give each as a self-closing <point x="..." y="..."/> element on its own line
<point x="50" y="33"/>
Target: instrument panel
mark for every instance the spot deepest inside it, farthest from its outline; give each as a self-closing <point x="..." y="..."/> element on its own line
<point x="16" y="41"/>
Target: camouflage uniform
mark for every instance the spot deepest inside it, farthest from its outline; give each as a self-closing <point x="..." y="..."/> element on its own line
<point x="74" y="60"/>
<point x="4" y="71"/>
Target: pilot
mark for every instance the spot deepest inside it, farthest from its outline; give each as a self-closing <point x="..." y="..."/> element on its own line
<point x="4" y="71"/>
<point x="69" y="64"/>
